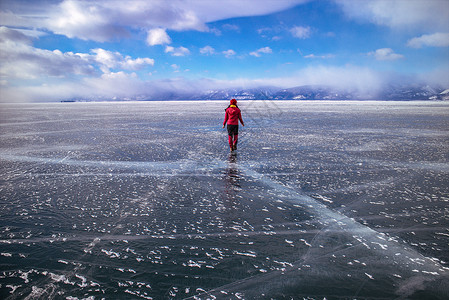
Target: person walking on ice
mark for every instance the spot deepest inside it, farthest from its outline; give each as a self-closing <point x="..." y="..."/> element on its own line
<point x="232" y="118"/>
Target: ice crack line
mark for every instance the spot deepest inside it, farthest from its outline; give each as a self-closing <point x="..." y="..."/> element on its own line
<point x="122" y="165"/>
<point x="387" y="248"/>
<point x="376" y="241"/>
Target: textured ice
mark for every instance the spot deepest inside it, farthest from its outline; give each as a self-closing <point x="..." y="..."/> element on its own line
<point x="143" y="200"/>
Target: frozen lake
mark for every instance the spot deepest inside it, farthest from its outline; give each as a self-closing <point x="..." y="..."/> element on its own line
<point x="143" y="200"/>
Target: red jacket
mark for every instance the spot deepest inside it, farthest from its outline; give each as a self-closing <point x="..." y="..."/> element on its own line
<point x="233" y="115"/>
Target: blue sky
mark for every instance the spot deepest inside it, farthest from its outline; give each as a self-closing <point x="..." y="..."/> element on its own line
<point x="55" y="50"/>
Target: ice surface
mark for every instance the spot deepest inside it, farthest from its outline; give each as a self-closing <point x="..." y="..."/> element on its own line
<point x="143" y="200"/>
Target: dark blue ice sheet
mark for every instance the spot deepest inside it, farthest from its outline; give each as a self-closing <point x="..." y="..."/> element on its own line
<point x="143" y="200"/>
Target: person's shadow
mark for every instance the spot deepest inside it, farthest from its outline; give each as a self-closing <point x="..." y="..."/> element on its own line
<point x="232" y="186"/>
<point x="232" y="172"/>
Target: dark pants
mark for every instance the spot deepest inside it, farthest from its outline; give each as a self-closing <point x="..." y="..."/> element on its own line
<point x="233" y="132"/>
<point x="233" y="129"/>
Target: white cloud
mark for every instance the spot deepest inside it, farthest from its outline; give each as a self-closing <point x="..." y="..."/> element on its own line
<point x="208" y="50"/>
<point x="209" y="11"/>
<point x="175" y="67"/>
<point x="122" y="85"/>
<point x="231" y="27"/>
<point x="264" y="30"/>
<point x="215" y="31"/>
<point x="438" y="76"/>
<point x="324" y="56"/>
<point x="136" y="64"/>
<point x="180" y="51"/>
<point x="85" y="20"/>
<point x="8" y="18"/>
<point x="13" y="36"/>
<point x="110" y="85"/>
<point x="19" y="59"/>
<point x="271" y="33"/>
<point x="114" y="85"/>
<point x="301" y="32"/>
<point x="106" y="20"/>
<point x="399" y="13"/>
<point x="258" y="52"/>
<point x="438" y="39"/>
<point x="385" y="54"/>
<point x="362" y="80"/>
<point x="229" y="53"/>
<point x="32" y="33"/>
<point x="106" y="59"/>
<point x="157" y="36"/>
<point x="114" y="60"/>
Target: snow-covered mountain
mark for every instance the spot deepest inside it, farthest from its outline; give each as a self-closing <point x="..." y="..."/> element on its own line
<point x="444" y="95"/>
<point x="307" y="92"/>
<point x="412" y="92"/>
<point x="318" y="92"/>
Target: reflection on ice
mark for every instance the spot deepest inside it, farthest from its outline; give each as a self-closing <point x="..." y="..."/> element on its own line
<point x="335" y="200"/>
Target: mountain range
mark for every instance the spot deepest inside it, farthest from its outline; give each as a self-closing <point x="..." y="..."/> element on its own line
<point x="314" y="92"/>
<point x="306" y="92"/>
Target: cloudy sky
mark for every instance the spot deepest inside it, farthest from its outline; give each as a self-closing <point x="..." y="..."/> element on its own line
<point x="54" y="50"/>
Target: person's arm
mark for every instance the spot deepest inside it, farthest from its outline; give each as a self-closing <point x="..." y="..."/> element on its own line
<point x="240" y="118"/>
<point x="226" y="118"/>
